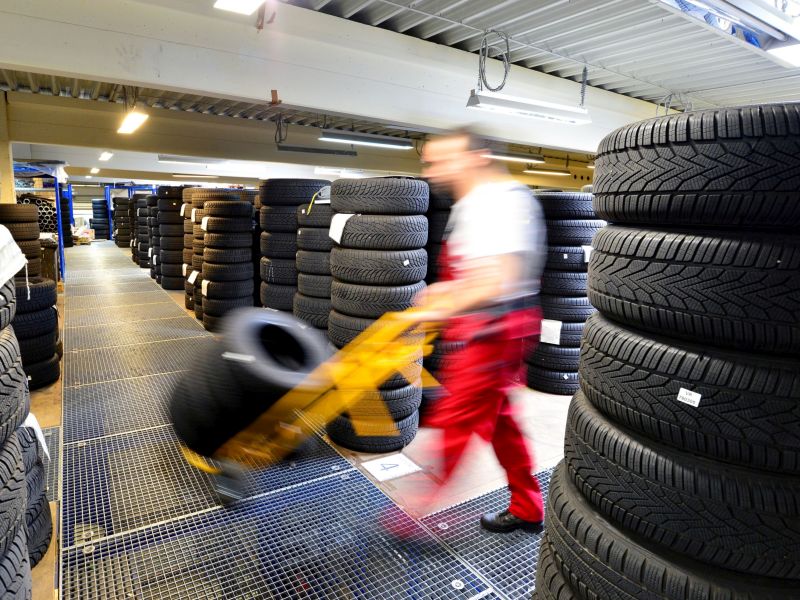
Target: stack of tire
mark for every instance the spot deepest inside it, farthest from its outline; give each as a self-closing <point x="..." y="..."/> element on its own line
<point x="122" y="222"/>
<point x="142" y="250"/>
<point x="66" y="222"/>
<point x="36" y="328"/>
<point x="38" y="520"/>
<point x="153" y="237"/>
<point x="312" y="302"/>
<point x="188" y="246"/>
<point x="227" y="258"/>
<point x="194" y="275"/>
<point x="552" y="367"/>
<point x="15" y="567"/>
<point x="170" y="224"/>
<point x="681" y="475"/>
<point x="254" y="197"/>
<point x="378" y="265"/>
<point x="280" y="199"/>
<point x="22" y="221"/>
<point x="99" y="221"/>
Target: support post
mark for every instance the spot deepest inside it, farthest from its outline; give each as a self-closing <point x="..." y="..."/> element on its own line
<point x="60" y="225"/>
<point x="8" y="194"/>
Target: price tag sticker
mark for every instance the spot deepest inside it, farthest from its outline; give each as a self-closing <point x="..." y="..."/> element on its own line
<point x="587" y="253"/>
<point x="150" y="252"/>
<point x="204" y="287"/>
<point x="155" y="259"/>
<point x="185" y="266"/>
<point x="183" y="209"/>
<point x="689" y="397"/>
<point x="551" y="332"/>
<point x="337" y="226"/>
<point x="192" y="277"/>
<point x="204" y="223"/>
<point x="193" y="215"/>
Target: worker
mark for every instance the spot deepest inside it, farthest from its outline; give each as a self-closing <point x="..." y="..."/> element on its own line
<point x="487" y="299"/>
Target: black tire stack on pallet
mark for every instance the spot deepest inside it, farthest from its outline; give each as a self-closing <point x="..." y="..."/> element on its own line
<point x="38" y="520"/>
<point x="682" y="451"/>
<point x="194" y="274"/>
<point x="99" y="221"/>
<point x="36" y="328"/>
<point x="142" y="250"/>
<point x="378" y="265"/>
<point x="278" y="220"/>
<point x="312" y="302"/>
<point x="153" y="237"/>
<point x="188" y="247"/>
<point x="66" y="223"/>
<point x="22" y="222"/>
<point x="122" y="222"/>
<point x="552" y="367"/>
<point x="15" y="568"/>
<point x="227" y="257"/>
<point x="170" y="224"/>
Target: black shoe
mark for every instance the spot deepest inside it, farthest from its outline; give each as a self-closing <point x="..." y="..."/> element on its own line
<point x="505" y="522"/>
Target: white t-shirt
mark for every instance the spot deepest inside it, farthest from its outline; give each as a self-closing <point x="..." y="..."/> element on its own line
<point x="496" y="219"/>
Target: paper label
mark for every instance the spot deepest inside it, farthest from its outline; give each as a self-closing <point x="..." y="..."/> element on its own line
<point x="551" y="332"/>
<point x="204" y="223"/>
<point x="587" y="253"/>
<point x="185" y="266"/>
<point x="194" y="214"/>
<point x="155" y="259"/>
<point x="150" y="252"/>
<point x="391" y="467"/>
<point x="192" y="277"/>
<point x="32" y="422"/>
<point x="689" y="397"/>
<point x="183" y="209"/>
<point x="406" y="262"/>
<point x="204" y="287"/>
<point x="337" y="226"/>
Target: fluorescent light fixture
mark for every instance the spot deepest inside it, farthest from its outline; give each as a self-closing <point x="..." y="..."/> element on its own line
<point x="174" y="159"/>
<point x="180" y="176"/>
<point x="554" y="173"/>
<point x="243" y="7"/>
<point x="366" y="139"/>
<point x="531" y="109"/>
<point x="106" y="156"/>
<point x="132" y="121"/>
<point x="519" y="157"/>
<point x="341" y="173"/>
<point x="789" y="54"/>
<point x="312" y="150"/>
<point x="94" y="170"/>
<point x="88" y="177"/>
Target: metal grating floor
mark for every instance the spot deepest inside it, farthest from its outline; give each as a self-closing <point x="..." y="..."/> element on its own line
<point x="91" y="317"/>
<point x="100" y="302"/>
<point x="136" y="332"/>
<point x="52" y="436"/>
<point x="507" y="562"/>
<point x="324" y="540"/>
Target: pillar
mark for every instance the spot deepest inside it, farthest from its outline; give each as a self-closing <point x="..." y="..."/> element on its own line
<point x="7" y="193"/>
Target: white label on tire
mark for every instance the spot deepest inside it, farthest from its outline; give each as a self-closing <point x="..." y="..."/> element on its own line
<point x="185" y="266"/>
<point x="192" y="277"/>
<point x="551" y="332"/>
<point x="337" y="226"/>
<point x="204" y="286"/>
<point x="155" y="259"/>
<point x="689" y="397"/>
<point x="587" y="253"/>
<point x="204" y="223"/>
<point x="149" y="252"/>
<point x="194" y="214"/>
<point x="406" y="262"/>
<point x="183" y="209"/>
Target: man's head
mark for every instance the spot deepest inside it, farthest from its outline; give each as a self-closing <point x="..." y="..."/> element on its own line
<point x="450" y="159"/>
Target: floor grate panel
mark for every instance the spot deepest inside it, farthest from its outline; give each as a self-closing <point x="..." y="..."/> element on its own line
<point x="52" y="436"/>
<point x="506" y="561"/>
<point x="114" y="485"/>
<point x="78" y="291"/>
<point x="323" y="540"/>
<point x="91" y="317"/>
<point x="109" y="364"/>
<point x="136" y="332"/>
<point x="104" y="301"/>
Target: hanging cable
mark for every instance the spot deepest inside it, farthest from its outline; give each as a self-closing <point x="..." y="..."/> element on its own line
<point x="503" y="55"/>
<point x="584" y="79"/>
<point x="281" y="133"/>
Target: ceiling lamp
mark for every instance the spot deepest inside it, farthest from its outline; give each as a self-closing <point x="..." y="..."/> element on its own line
<point x="789" y="54"/>
<point x="94" y="170"/>
<point x="181" y="176"/>
<point x="366" y="139"/>
<point x="174" y="159"/>
<point x="106" y="156"/>
<point x="132" y="121"/>
<point x="553" y="172"/>
<point x="242" y="7"/>
<point x="312" y="150"/>
<point x="519" y="157"/>
<point x="530" y="109"/>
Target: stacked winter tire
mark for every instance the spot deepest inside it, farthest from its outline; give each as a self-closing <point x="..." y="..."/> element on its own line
<point x="378" y="265"/>
<point x="552" y="366"/>
<point x="681" y="476"/>
<point x="122" y="222"/>
<point x="170" y="229"/>
<point x="15" y="567"/>
<point x="99" y="221"/>
<point x="22" y="222"/>
<point x="66" y="222"/>
<point x="153" y="237"/>
<point x="188" y="247"/>
<point x="36" y="328"/>
<point x="280" y="199"/>
<point x="142" y="255"/>
<point x="38" y="519"/>
<point x="312" y="302"/>
<point x="133" y="212"/>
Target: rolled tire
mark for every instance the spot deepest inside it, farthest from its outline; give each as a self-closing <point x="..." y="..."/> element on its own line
<point x="693" y="506"/>
<point x="14" y="396"/>
<point x="566" y="258"/>
<point x="317" y="286"/>
<point x="290" y="192"/>
<point x="23" y="231"/>
<point x="34" y="268"/>
<point x="564" y="283"/>
<point x="313" y="311"/>
<point x="43" y="373"/>
<point x="18" y="213"/>
<point x="226" y="290"/>
<point x="36" y="323"/>
<point x="572" y="232"/>
<point x="561" y="383"/>
<point x="400" y="402"/>
<point x="382" y="232"/>
<point x="723" y="167"/>
<point x="569" y="309"/>
<point x="39" y="528"/>
<point x="227" y="255"/>
<point x="735" y="407"/>
<point x="39" y="348"/>
<point x="314" y="263"/>
<point x="317" y="216"/>
<point x="279" y="297"/>
<point x="30" y="248"/>
<point x="732" y="289"/>
<point x="309" y="238"/>
<point x="379" y="267"/>
<point x="555" y="358"/>
<point x="380" y="196"/>
<point x="278" y="245"/>
<point x="566" y="205"/>
<point x="8" y="303"/>
<point x="227" y="272"/>
<point x="278" y="271"/>
<point x="221" y="307"/>
<point x="229" y="209"/>
<point x="227" y="224"/>
<point x="371" y="301"/>
<point x="261" y="356"/>
<point x="278" y="219"/>
<point x="378" y="438"/>
<point x="13" y="493"/>
<point x="172" y="283"/>
<point x="227" y="240"/>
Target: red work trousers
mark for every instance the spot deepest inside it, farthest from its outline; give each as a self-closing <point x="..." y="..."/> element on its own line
<point x="476" y="381"/>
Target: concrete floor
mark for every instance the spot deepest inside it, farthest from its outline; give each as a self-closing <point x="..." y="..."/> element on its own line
<point x="541" y="416"/>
